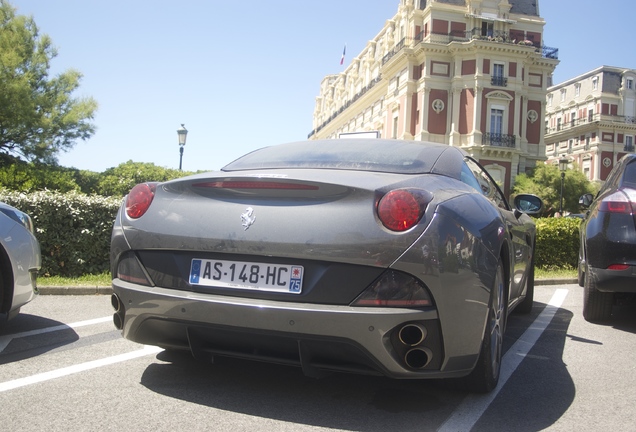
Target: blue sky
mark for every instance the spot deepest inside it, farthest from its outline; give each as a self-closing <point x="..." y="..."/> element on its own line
<point x="245" y="74"/>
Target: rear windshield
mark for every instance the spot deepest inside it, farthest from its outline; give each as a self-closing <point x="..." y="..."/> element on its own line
<point x="389" y="156"/>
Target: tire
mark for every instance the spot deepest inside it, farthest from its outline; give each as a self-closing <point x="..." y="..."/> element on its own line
<point x="597" y="305"/>
<point x="485" y="376"/>
<point x="525" y="307"/>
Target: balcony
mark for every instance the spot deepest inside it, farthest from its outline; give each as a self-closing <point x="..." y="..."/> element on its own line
<point x="476" y="34"/>
<point x="590" y="119"/>
<point x="500" y="81"/>
<point x="499" y="140"/>
<point x="346" y="105"/>
<point x="398" y="47"/>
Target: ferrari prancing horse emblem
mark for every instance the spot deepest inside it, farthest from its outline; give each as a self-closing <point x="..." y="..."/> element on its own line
<point x="248" y="218"/>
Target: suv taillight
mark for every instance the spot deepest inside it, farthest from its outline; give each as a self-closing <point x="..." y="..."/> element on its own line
<point x="617" y="202"/>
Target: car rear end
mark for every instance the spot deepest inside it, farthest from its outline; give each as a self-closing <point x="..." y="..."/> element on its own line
<point x="20" y="261"/>
<point x="609" y="232"/>
<point x="326" y="269"/>
<point x="611" y="241"/>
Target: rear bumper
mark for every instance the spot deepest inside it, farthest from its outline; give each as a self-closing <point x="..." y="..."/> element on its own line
<point x="614" y="280"/>
<point x="314" y="337"/>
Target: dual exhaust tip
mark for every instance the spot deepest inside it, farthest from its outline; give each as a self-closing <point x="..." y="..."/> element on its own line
<point x="412" y="336"/>
<point x="118" y="316"/>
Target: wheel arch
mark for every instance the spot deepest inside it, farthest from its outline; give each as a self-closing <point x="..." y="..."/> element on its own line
<point x="6" y="281"/>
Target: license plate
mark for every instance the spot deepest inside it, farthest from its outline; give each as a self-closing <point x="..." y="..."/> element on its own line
<point x="247" y="275"/>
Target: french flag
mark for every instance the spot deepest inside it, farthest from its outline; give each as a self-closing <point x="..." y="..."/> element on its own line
<point x="344" y="51"/>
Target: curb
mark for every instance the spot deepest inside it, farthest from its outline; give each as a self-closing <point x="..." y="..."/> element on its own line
<point x="107" y="290"/>
<point x="78" y="290"/>
<point x="564" y="281"/>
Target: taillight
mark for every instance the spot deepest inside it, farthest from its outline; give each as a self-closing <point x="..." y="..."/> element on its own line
<point x="617" y="202"/>
<point x="618" y="267"/>
<point x="395" y="289"/>
<point x="401" y="209"/>
<point x="139" y="199"/>
<point x="130" y="269"/>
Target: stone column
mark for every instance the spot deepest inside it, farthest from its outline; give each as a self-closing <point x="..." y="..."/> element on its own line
<point x="454" y="137"/>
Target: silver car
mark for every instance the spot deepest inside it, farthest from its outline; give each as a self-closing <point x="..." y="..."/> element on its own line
<point x="399" y="258"/>
<point x="20" y="261"/>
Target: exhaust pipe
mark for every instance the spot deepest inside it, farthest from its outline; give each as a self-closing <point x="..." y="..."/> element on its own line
<point x="118" y="317"/>
<point x="118" y="320"/>
<point x="412" y="334"/>
<point x="115" y="302"/>
<point x="418" y="358"/>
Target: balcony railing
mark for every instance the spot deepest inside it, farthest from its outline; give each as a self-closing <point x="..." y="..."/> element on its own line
<point x="496" y="37"/>
<point x="500" y="140"/>
<point x="396" y="49"/>
<point x="499" y="81"/>
<point x="591" y="119"/>
<point x="346" y="105"/>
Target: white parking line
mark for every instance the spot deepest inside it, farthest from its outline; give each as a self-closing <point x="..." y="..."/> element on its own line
<point x="45" y="376"/>
<point x="6" y="339"/>
<point x="473" y="406"/>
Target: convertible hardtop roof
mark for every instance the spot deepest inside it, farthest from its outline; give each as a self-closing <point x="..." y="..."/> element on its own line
<point x="378" y="155"/>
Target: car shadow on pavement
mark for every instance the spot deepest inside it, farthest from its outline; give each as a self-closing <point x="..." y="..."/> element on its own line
<point x="26" y="336"/>
<point x="541" y="390"/>
<point x="624" y="314"/>
<point x="369" y="403"/>
<point x="283" y="393"/>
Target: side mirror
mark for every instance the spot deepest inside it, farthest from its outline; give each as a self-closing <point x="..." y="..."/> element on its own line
<point x="528" y="204"/>
<point x="586" y="200"/>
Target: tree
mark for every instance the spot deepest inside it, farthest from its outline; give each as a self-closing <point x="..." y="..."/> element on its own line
<point x="38" y="114"/>
<point x="545" y="182"/>
<point x="120" y="180"/>
<point x="21" y="176"/>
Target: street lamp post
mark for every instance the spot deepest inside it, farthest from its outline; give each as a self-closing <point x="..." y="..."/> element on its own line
<point x="563" y="166"/>
<point x="182" y="132"/>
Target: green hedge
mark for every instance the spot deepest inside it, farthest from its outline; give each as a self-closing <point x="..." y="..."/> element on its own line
<point x="557" y="243"/>
<point x="73" y="229"/>
<point x="74" y="232"/>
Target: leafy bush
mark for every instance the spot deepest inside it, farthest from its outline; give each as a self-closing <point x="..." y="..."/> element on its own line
<point x="18" y="175"/>
<point x="557" y="245"/>
<point x="120" y="180"/>
<point x="73" y="229"/>
<point x="22" y="176"/>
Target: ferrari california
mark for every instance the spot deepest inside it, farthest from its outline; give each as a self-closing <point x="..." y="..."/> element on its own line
<point x="399" y="258"/>
<point x="20" y="261"/>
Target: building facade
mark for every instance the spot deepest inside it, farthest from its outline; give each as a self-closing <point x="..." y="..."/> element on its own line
<point x="591" y="120"/>
<point x="468" y="73"/>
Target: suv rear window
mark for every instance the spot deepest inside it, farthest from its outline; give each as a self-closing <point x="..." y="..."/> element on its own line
<point x="629" y="177"/>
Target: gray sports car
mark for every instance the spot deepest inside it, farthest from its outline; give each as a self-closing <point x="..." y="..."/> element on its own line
<point x="400" y="258"/>
<point x="20" y="261"/>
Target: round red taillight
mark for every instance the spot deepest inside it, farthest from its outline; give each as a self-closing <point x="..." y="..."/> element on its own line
<point x="139" y="199"/>
<point x="400" y="210"/>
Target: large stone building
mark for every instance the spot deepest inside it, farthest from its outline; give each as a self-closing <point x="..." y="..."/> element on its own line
<point x="591" y="120"/>
<point x="469" y="73"/>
